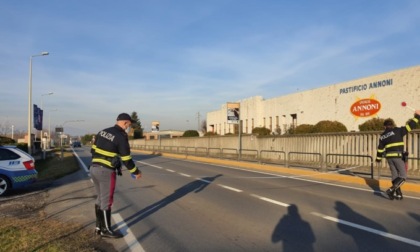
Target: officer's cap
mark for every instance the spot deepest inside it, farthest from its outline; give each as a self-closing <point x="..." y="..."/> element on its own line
<point x="125" y="117"/>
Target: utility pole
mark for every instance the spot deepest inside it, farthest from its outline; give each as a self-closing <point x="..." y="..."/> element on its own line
<point x="198" y="121"/>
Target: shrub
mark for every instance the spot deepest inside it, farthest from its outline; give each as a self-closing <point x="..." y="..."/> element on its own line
<point x="374" y="124"/>
<point x="22" y="146"/>
<point x="6" y="140"/>
<point x="138" y="133"/>
<point x="304" y="129"/>
<point x="191" y="133"/>
<point x="329" y="126"/>
<point x="261" y="131"/>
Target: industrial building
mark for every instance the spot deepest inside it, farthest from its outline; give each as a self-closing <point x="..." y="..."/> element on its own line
<point x="351" y="103"/>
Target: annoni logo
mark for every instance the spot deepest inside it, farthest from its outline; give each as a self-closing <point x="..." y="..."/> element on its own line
<point x="365" y="107"/>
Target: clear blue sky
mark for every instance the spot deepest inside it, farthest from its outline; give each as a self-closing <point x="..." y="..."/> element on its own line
<point x="169" y="60"/>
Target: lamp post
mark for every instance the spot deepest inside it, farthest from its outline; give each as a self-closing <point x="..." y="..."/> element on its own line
<point x="30" y="101"/>
<point x="49" y="127"/>
<point x="13" y="127"/>
<point x="43" y="146"/>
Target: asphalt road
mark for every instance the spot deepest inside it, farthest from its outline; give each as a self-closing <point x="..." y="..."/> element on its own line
<point x="181" y="205"/>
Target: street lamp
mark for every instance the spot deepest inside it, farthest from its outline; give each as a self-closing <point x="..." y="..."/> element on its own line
<point x="30" y="101"/>
<point x="43" y="146"/>
<point x="49" y="127"/>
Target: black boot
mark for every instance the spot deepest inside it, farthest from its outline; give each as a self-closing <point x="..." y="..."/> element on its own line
<point x="390" y="193"/>
<point x="98" y="220"/>
<point x="399" y="195"/>
<point x="395" y="188"/>
<point x="106" y="230"/>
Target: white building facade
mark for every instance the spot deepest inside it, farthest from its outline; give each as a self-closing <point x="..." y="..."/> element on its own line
<point x="351" y="103"/>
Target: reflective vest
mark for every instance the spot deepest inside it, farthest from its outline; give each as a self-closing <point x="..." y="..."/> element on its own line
<point x="110" y="146"/>
<point x="391" y="142"/>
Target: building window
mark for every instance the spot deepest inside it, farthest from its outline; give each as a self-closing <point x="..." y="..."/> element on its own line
<point x="294" y="119"/>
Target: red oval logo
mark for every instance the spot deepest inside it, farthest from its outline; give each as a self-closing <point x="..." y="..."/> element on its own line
<point x="365" y="107"/>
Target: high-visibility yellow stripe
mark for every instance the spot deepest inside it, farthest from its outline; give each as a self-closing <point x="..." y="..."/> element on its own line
<point x="394" y="145"/>
<point x="393" y="155"/>
<point x="381" y="150"/>
<point x="133" y="170"/>
<point x="105" y="153"/>
<point x="125" y="158"/>
<point x="102" y="161"/>
<point x="415" y="119"/>
<point x="408" y="127"/>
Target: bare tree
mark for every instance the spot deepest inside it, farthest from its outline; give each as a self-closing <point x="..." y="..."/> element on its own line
<point x="204" y="126"/>
<point x="5" y="128"/>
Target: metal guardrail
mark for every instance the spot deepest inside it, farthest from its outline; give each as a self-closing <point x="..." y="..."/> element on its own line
<point x="304" y="162"/>
<point x="351" y="163"/>
<point x="268" y="156"/>
<point x="287" y="159"/>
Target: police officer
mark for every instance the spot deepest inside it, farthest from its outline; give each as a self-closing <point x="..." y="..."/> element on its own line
<point x="391" y="145"/>
<point x="110" y="148"/>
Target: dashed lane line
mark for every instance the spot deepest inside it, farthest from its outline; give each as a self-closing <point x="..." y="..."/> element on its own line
<point x="230" y="188"/>
<point x="270" y="200"/>
<point x="185" y="175"/>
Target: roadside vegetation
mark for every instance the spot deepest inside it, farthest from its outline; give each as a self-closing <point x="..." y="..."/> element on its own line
<point x="24" y="225"/>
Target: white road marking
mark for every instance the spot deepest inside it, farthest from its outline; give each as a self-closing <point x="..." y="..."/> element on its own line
<point x="371" y="230"/>
<point x="270" y="200"/>
<point x="148" y="164"/>
<point x="203" y="180"/>
<point x="169" y="170"/>
<point x="129" y="238"/>
<point x="230" y="188"/>
<point x="185" y="175"/>
<point x="81" y="163"/>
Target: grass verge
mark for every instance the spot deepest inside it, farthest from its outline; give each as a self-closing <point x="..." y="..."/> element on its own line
<point x="24" y="225"/>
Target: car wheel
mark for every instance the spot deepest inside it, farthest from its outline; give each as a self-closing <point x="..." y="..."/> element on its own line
<point x="4" y="185"/>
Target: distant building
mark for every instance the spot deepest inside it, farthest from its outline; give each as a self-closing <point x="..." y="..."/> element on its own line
<point x="351" y="103"/>
<point x="162" y="134"/>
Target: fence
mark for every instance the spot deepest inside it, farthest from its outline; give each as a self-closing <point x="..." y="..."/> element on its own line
<point x="352" y="151"/>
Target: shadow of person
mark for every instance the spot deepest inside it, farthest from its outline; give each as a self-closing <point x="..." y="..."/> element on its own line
<point x="195" y="186"/>
<point x="374" y="184"/>
<point x="295" y="233"/>
<point x="416" y="217"/>
<point x="357" y="226"/>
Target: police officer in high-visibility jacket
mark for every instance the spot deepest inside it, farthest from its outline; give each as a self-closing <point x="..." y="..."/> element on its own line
<point x="110" y="148"/>
<point x="391" y="146"/>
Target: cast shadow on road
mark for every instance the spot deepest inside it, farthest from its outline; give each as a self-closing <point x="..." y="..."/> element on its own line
<point x="415" y="216"/>
<point x="374" y="184"/>
<point x="349" y="224"/>
<point x="295" y="233"/>
<point x="195" y="186"/>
